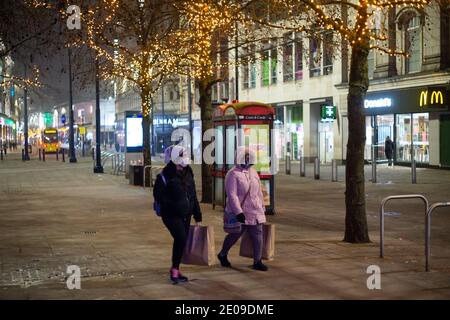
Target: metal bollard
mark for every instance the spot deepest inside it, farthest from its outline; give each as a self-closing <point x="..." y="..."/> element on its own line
<point x="316" y="168"/>
<point x="302" y="167"/>
<point x="40" y="154"/>
<point x="1" y="153"/>
<point x="63" y="156"/>
<point x="413" y="172"/>
<point x="43" y="155"/>
<point x="334" y="171"/>
<point x="23" y="155"/>
<point x="57" y="154"/>
<point x="288" y="164"/>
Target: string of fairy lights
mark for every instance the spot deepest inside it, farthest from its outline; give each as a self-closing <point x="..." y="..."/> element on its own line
<point x="33" y="81"/>
<point x="192" y="46"/>
<point x="328" y="16"/>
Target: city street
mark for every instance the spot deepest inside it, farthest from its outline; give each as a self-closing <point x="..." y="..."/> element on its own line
<point x="55" y="214"/>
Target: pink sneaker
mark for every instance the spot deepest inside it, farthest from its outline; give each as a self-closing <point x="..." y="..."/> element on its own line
<point x="176" y="276"/>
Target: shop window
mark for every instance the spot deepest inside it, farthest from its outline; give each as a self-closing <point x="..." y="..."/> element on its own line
<point x="385" y="128"/>
<point x="421" y="137"/>
<point x="403" y="143"/>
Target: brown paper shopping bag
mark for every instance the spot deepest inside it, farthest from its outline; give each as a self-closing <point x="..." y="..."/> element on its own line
<point x="246" y="249"/>
<point x="199" y="249"/>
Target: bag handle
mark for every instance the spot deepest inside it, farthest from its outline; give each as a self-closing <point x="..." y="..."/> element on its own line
<point x="248" y="191"/>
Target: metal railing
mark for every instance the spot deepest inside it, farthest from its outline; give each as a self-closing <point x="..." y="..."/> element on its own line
<point x="105" y="156"/>
<point x="428" y="231"/>
<point x="119" y="164"/>
<point x="383" y="203"/>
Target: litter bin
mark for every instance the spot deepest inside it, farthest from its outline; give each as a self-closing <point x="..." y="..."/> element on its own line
<point x="135" y="174"/>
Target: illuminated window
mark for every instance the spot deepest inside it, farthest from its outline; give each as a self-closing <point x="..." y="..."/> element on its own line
<point x="269" y="61"/>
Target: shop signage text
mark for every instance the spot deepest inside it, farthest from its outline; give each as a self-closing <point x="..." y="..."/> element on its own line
<point x="174" y="122"/>
<point x="256" y="117"/>
<point x="328" y="113"/>
<point x="378" y="103"/>
<point x="435" y="98"/>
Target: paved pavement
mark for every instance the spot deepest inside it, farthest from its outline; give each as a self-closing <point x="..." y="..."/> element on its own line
<point x="56" y="214"/>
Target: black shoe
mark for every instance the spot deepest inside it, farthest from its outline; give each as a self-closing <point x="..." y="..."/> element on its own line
<point x="224" y="261"/>
<point x="260" y="266"/>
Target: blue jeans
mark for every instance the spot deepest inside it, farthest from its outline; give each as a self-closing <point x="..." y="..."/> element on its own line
<point x="256" y="234"/>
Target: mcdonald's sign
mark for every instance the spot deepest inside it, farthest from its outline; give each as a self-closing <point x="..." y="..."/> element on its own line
<point x="435" y="98"/>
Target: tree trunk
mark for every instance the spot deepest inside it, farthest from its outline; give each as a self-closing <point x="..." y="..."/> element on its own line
<point x="206" y="117"/>
<point x="146" y="121"/>
<point x="356" y="230"/>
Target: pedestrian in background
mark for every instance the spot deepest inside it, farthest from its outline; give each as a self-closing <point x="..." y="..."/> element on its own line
<point x="245" y="200"/>
<point x="175" y="192"/>
<point x="389" y="150"/>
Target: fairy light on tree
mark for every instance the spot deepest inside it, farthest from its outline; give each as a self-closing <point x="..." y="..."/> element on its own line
<point x="353" y="21"/>
<point x="205" y="24"/>
<point x="131" y="42"/>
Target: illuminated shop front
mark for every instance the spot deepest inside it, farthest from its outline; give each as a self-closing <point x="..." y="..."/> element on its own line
<point x="413" y="118"/>
<point x="289" y="129"/>
<point x="8" y="129"/>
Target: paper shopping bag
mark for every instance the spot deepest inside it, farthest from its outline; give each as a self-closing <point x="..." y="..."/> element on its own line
<point x="246" y="249"/>
<point x="199" y="249"/>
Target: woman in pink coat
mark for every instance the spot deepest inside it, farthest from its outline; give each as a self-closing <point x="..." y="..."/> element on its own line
<point x="245" y="200"/>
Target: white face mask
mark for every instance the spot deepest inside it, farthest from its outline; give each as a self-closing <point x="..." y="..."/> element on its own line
<point x="184" y="162"/>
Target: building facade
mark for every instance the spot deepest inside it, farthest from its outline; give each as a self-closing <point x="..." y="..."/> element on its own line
<point x="407" y="97"/>
<point x="10" y="105"/>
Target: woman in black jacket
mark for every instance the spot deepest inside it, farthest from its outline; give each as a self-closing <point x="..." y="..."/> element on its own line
<point x="175" y="191"/>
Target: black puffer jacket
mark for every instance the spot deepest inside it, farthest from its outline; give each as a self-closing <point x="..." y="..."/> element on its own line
<point x="178" y="197"/>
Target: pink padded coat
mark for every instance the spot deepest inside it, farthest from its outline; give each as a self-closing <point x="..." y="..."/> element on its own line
<point x="237" y="183"/>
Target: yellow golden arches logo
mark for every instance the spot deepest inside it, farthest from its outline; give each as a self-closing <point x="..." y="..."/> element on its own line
<point x="438" y="96"/>
<point x="423" y="98"/>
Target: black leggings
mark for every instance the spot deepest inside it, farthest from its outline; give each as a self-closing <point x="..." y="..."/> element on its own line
<point x="179" y="229"/>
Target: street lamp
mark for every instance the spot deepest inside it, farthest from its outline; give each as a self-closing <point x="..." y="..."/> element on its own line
<point x="98" y="161"/>
<point x="72" y="157"/>
<point x="26" y="155"/>
<point x="190" y="115"/>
